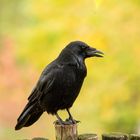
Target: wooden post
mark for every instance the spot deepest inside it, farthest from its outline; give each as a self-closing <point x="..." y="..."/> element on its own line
<point x="69" y="132"/>
<point x="66" y="132"/>
<point x="37" y="138"/>
<point x="134" y="137"/>
<point x="87" y="137"/>
<point x="40" y="138"/>
<point x="115" y="136"/>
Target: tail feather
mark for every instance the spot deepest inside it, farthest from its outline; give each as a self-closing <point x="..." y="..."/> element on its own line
<point x="33" y="118"/>
<point x="30" y="115"/>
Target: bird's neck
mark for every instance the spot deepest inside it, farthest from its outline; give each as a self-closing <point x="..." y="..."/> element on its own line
<point x="70" y="58"/>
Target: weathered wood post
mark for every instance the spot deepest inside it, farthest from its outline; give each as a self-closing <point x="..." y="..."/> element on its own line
<point x="88" y="137"/>
<point x="66" y="132"/>
<point x="39" y="138"/>
<point x="115" y="136"/>
<point x="134" y="137"/>
<point x="69" y="132"/>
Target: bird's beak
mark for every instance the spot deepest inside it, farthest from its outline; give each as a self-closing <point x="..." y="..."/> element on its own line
<point x="91" y="52"/>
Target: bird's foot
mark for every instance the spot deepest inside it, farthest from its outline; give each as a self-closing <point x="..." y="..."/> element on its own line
<point x="62" y="123"/>
<point x="72" y="121"/>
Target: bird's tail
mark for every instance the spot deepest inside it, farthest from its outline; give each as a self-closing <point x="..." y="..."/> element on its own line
<point x="30" y="115"/>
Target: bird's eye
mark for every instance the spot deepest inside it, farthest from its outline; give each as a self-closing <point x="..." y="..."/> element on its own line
<point x="84" y="47"/>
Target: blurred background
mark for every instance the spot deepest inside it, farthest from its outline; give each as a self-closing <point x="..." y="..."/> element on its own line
<point x="32" y="34"/>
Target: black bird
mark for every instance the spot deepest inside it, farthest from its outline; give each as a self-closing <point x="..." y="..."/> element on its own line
<point x="58" y="85"/>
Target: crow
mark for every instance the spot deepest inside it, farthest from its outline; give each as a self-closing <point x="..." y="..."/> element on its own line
<point x="58" y="85"/>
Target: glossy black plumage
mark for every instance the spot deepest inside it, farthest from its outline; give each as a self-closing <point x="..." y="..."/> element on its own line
<point x="59" y="84"/>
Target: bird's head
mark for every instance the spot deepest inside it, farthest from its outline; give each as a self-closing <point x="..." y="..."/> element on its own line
<point x="81" y="49"/>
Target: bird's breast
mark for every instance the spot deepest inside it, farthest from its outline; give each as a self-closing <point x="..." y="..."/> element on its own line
<point x="73" y="78"/>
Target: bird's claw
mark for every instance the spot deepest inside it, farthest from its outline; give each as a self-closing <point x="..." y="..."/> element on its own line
<point x="62" y="123"/>
<point x="68" y="121"/>
<point x="72" y="121"/>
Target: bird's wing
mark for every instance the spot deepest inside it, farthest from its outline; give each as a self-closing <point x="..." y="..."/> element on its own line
<point x="45" y="83"/>
<point x="38" y="90"/>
